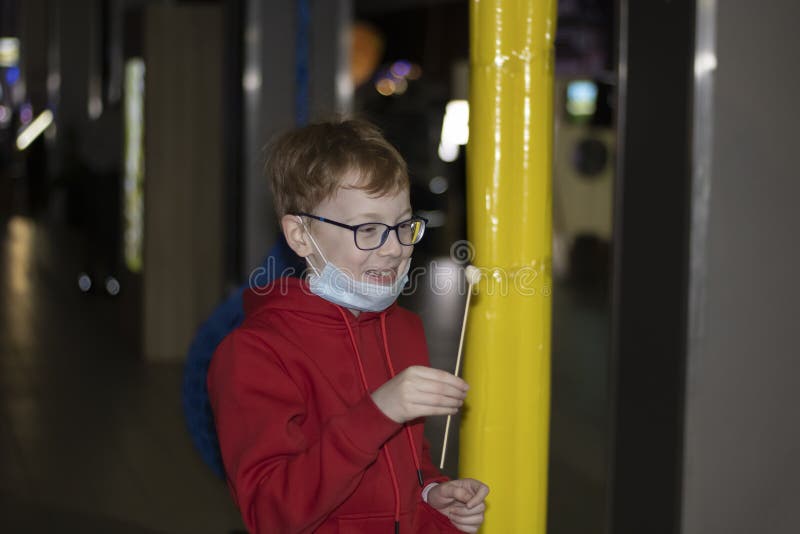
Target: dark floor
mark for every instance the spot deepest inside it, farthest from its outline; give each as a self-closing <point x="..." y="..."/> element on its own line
<point x="92" y="439"/>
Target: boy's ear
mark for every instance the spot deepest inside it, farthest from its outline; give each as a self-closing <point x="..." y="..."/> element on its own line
<point x="296" y="235"/>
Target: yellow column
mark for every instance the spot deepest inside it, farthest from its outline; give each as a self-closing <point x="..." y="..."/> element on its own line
<point x="504" y="432"/>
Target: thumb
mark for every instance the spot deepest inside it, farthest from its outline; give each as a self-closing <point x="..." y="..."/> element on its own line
<point x="448" y="490"/>
<point x="461" y="493"/>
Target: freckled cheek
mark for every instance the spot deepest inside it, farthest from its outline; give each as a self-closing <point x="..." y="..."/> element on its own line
<point x="343" y="252"/>
<point x="357" y="262"/>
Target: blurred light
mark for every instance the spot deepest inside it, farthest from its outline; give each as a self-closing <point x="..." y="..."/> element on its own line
<point x="436" y="218"/>
<point x="12" y="75"/>
<point x="18" y="307"/>
<point x="448" y="153"/>
<point x="5" y="115"/>
<point x="438" y="185"/>
<point x="34" y="129"/>
<point x="415" y="72"/>
<point x="134" y="160"/>
<point x="400" y="69"/>
<point x="95" y="106"/>
<point x="9" y="51"/>
<point x="84" y="282"/>
<point x="455" y="126"/>
<point x="704" y="62"/>
<point x="112" y="286"/>
<point x="581" y="98"/>
<point x="94" y="95"/>
<point x="366" y="49"/>
<point x="344" y="90"/>
<point x="385" y="86"/>
<point x="400" y="86"/>
<point x="455" y="129"/>
<point x="25" y="114"/>
<point x="20" y="256"/>
<point x="251" y="81"/>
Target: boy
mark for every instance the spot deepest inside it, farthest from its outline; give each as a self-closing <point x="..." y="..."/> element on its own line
<point x="319" y="397"/>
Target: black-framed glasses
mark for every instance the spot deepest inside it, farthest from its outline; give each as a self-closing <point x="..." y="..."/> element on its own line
<point x="372" y="235"/>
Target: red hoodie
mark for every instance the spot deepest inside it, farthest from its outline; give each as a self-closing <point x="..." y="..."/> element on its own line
<point x="304" y="446"/>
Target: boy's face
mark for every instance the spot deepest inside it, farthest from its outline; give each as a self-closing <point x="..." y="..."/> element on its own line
<point x="351" y="205"/>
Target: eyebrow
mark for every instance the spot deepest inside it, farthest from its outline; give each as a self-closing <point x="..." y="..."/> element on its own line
<point x="376" y="217"/>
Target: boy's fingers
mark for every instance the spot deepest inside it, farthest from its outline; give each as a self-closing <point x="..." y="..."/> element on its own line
<point x="436" y="401"/>
<point x="440" y="376"/>
<point x="462" y="494"/>
<point x="463" y="511"/>
<point x="474" y="519"/>
<point x="441" y="388"/>
<point x="428" y="411"/>
<point x="465" y="527"/>
<point x="459" y="490"/>
<point x="480" y="495"/>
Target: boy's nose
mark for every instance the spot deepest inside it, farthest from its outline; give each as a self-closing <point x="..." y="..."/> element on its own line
<point x="392" y="246"/>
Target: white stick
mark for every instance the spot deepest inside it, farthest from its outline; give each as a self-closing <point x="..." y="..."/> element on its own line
<point x="473" y="275"/>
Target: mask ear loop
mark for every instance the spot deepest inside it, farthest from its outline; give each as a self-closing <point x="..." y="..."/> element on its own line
<point x="314" y="241"/>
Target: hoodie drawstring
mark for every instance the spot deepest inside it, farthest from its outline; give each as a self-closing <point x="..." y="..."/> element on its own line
<point x="388" y="355"/>
<point x="389" y="462"/>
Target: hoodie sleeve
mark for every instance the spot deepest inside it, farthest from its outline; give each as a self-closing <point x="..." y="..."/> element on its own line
<point x="282" y="481"/>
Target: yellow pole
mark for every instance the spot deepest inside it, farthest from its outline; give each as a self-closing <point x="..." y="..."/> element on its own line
<point x="504" y="431"/>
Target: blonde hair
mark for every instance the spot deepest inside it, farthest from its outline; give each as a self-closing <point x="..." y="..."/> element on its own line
<point x="306" y="165"/>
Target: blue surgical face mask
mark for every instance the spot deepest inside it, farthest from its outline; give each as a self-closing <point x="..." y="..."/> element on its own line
<point x="334" y="285"/>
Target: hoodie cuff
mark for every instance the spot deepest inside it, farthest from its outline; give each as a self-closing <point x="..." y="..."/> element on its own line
<point x="368" y="427"/>
<point x="427" y="490"/>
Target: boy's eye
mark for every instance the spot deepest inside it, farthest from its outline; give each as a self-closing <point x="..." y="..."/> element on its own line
<point x="367" y="229"/>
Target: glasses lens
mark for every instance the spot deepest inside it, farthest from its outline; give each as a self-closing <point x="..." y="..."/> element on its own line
<point x="368" y="236"/>
<point x="410" y="232"/>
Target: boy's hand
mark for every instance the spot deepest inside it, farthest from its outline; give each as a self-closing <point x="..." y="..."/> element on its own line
<point x="418" y="392"/>
<point x="462" y="501"/>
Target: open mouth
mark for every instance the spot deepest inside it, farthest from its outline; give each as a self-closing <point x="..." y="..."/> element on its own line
<point x="380" y="276"/>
